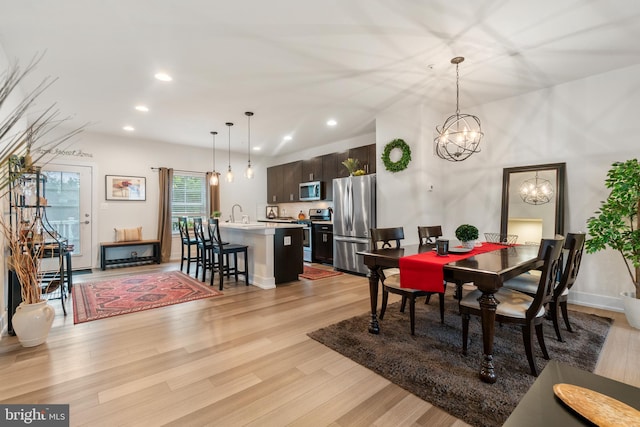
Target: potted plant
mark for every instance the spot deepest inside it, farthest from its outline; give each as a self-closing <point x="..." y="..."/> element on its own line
<point x="21" y="148"/>
<point x="617" y="226"/>
<point x="467" y="234"/>
<point x="351" y="165"/>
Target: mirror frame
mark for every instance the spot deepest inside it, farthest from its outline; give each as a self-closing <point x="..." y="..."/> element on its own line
<point x="560" y="169"/>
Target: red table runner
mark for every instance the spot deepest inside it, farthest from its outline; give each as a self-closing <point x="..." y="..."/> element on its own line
<point x="425" y="271"/>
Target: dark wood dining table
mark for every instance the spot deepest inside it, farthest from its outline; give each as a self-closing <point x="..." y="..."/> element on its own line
<point x="487" y="271"/>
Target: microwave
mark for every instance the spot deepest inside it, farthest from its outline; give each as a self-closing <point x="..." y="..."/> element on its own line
<point x="310" y="191"/>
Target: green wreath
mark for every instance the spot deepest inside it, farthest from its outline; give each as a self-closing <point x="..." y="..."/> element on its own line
<point x="403" y="162"/>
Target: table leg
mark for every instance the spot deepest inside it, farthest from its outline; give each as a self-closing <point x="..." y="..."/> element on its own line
<point x="374" y="327"/>
<point x="488" y="305"/>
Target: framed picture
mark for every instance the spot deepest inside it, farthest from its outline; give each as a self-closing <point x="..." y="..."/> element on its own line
<point x="125" y="187"/>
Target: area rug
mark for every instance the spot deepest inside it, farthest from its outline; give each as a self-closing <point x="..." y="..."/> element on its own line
<point x="313" y="273"/>
<point x="99" y="300"/>
<point x="431" y="366"/>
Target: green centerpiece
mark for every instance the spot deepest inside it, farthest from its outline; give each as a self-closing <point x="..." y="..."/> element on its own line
<point x="467" y="234"/>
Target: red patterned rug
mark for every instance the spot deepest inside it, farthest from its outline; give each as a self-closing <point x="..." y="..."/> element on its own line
<point x="99" y="300"/>
<point x="313" y="273"/>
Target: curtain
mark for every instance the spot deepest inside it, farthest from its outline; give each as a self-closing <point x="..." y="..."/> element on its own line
<point x="213" y="195"/>
<point x="164" y="213"/>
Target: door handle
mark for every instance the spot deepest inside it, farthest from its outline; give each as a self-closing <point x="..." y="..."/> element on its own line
<point x="86" y="222"/>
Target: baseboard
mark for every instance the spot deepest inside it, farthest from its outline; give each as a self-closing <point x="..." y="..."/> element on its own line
<point x="596" y="301"/>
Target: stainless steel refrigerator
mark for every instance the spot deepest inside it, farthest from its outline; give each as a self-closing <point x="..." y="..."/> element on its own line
<point x="354" y="214"/>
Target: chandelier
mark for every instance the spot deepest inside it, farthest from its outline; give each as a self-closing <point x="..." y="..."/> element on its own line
<point x="536" y="191"/>
<point x="460" y="135"/>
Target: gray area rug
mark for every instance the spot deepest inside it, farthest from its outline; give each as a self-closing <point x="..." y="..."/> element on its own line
<point x="431" y="366"/>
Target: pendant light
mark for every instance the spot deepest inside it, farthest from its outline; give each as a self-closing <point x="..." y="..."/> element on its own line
<point x="249" y="171"/>
<point x="214" y="175"/>
<point x="460" y="135"/>
<point x="229" y="173"/>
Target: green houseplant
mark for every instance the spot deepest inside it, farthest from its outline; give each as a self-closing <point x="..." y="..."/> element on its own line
<point x="617" y="224"/>
<point x="467" y="234"/>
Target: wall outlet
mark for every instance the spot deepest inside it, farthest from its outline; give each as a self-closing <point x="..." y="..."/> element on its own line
<point x="287" y="240"/>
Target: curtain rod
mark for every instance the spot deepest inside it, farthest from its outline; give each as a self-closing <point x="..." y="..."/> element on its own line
<point x="179" y="170"/>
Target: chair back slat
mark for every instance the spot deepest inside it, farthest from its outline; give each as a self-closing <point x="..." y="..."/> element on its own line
<point x="427" y="235"/>
<point x="214" y="231"/>
<point x="574" y="245"/>
<point x="198" y="231"/>
<point x="549" y="253"/>
<point x="183" y="226"/>
<point x="382" y="237"/>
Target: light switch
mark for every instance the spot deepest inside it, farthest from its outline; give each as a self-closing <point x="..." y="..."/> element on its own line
<point x="287" y="240"/>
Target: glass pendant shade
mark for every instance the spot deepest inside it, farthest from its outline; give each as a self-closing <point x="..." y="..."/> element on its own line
<point x="249" y="172"/>
<point x="461" y="134"/>
<point x="214" y="175"/>
<point x="229" y="172"/>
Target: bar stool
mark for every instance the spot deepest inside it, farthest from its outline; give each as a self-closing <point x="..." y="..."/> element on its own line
<point x="222" y="250"/>
<point x="187" y="243"/>
<point x="204" y="257"/>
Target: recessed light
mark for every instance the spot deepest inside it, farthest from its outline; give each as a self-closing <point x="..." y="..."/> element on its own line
<point x="164" y="77"/>
<point x="129" y="128"/>
<point x="331" y="122"/>
<point x="142" y="108"/>
<point x="257" y="148"/>
<point x="288" y="138"/>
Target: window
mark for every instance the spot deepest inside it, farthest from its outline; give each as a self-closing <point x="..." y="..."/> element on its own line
<point x="189" y="197"/>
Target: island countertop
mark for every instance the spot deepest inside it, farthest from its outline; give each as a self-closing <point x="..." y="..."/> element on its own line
<point x="259" y="227"/>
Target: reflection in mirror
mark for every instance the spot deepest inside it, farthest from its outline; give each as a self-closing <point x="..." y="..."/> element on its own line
<point x="537" y="217"/>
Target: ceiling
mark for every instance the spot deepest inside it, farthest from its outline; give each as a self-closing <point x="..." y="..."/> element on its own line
<point x="297" y="63"/>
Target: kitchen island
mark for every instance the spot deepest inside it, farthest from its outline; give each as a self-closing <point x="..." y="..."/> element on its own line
<point x="275" y="250"/>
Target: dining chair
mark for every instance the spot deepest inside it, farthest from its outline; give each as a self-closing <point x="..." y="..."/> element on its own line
<point x="187" y="243"/>
<point x="572" y="257"/>
<point x="390" y="278"/>
<point x="221" y="250"/>
<point x="519" y="308"/>
<point x="204" y="256"/>
<point x="428" y="234"/>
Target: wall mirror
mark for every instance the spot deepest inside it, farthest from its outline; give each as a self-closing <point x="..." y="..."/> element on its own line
<point x="533" y="200"/>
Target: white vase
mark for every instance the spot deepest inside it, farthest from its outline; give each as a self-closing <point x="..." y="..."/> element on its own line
<point x="468" y="244"/>
<point x="32" y="323"/>
<point x="631" y="308"/>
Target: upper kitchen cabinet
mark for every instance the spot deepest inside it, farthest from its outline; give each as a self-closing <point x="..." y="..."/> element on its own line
<point x="367" y="157"/>
<point x="275" y="184"/>
<point x="312" y="169"/>
<point x="329" y="171"/>
<point x="292" y="173"/>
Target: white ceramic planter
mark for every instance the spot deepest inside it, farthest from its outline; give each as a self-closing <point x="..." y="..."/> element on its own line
<point x="32" y="323"/>
<point x="631" y="308"/>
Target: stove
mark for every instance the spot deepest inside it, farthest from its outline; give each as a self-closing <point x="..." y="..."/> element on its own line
<point x="314" y="215"/>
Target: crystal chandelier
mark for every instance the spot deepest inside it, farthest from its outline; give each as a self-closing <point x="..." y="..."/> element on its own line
<point x="536" y="191"/>
<point x="460" y="135"/>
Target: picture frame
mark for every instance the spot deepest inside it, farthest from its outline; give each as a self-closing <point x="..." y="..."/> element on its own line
<point x="124" y="187"/>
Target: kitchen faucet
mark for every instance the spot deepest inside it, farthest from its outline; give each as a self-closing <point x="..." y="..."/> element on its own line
<point x="233" y="215"/>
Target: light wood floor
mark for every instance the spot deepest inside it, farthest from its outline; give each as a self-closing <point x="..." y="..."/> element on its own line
<point x="240" y="359"/>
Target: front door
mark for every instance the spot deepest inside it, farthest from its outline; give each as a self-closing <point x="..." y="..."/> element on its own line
<point x="68" y="194"/>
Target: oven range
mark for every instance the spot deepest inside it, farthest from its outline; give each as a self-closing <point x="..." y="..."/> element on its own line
<point x="307" y="234"/>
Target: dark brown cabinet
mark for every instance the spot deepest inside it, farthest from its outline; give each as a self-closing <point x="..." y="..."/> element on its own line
<point x="292" y="173"/>
<point x="329" y="171"/>
<point x="283" y="180"/>
<point x="312" y="169"/>
<point x="322" y="243"/>
<point x="275" y="183"/>
<point x="287" y="255"/>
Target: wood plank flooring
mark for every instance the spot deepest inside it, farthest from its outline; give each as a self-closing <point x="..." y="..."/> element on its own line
<point x="240" y="359"/>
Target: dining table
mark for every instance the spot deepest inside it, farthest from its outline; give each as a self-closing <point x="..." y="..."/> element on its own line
<point x="488" y="271"/>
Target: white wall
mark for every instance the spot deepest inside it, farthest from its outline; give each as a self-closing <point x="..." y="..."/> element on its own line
<point x="588" y="124"/>
<point x="112" y="155"/>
